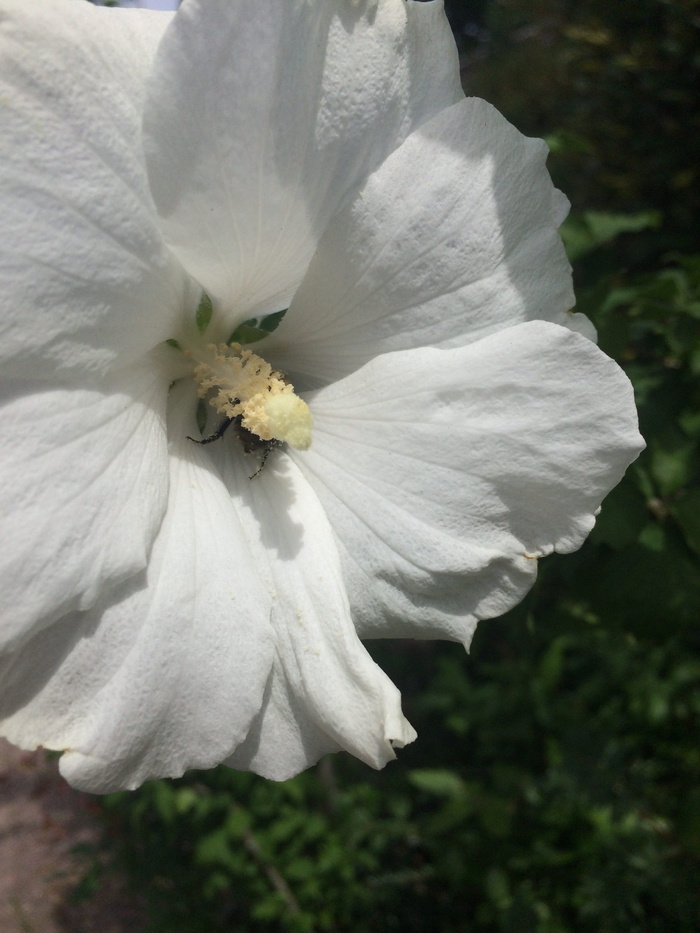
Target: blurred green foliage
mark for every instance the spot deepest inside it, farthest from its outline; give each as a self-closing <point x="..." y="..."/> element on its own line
<point x="554" y="785"/>
<point x="617" y="81"/>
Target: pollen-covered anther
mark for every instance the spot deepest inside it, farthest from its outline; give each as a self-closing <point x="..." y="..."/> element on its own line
<point x="237" y="381"/>
<point x="290" y="419"/>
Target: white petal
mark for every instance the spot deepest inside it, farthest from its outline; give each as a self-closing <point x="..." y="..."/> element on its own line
<point x="447" y="473"/>
<point x="86" y="276"/>
<point x="84" y="483"/>
<point x="263" y="116"/>
<point x="169" y="672"/>
<point x="454" y="237"/>
<point x="326" y="692"/>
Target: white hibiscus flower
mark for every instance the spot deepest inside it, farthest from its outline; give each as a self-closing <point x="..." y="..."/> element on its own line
<point x="160" y="609"/>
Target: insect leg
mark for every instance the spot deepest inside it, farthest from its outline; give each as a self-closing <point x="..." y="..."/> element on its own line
<point x="267" y="447"/>
<point x="219" y="433"/>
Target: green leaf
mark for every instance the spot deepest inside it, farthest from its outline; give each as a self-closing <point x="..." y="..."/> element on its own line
<point x="164" y="799"/>
<point x="583" y="233"/>
<point x="686" y="511"/>
<point x="185" y="799"/>
<point x="498" y="888"/>
<point x="437" y="781"/>
<point x="214" y="849"/>
<point x="238" y="822"/>
<point x="622" y="517"/>
<point x="564" y="141"/>
<point x="673" y="460"/>
<point x="604" y="226"/>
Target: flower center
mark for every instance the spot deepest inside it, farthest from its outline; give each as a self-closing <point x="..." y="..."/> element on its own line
<point x="237" y="382"/>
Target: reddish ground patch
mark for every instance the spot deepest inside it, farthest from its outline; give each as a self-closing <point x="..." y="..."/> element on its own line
<point x="42" y="821"/>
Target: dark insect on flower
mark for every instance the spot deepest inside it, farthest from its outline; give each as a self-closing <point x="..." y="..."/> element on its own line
<point x="251" y="442"/>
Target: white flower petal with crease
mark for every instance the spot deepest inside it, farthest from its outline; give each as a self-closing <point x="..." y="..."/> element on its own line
<point x="168" y="671"/>
<point x="447" y="473"/>
<point x="326" y="691"/>
<point x="277" y="110"/>
<point x="86" y="477"/>
<point x="87" y="279"/>
<point x="470" y="250"/>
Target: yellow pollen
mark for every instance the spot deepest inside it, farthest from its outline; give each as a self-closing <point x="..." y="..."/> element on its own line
<point x="237" y="381"/>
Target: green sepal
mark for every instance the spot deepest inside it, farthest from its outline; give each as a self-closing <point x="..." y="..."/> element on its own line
<point x="247" y="333"/>
<point x="204" y="312"/>
<point x="173" y="343"/>
<point x="255" y="329"/>
<point x="201" y="417"/>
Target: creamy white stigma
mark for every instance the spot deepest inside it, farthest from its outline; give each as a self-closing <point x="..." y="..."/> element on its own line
<point x="237" y="382"/>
